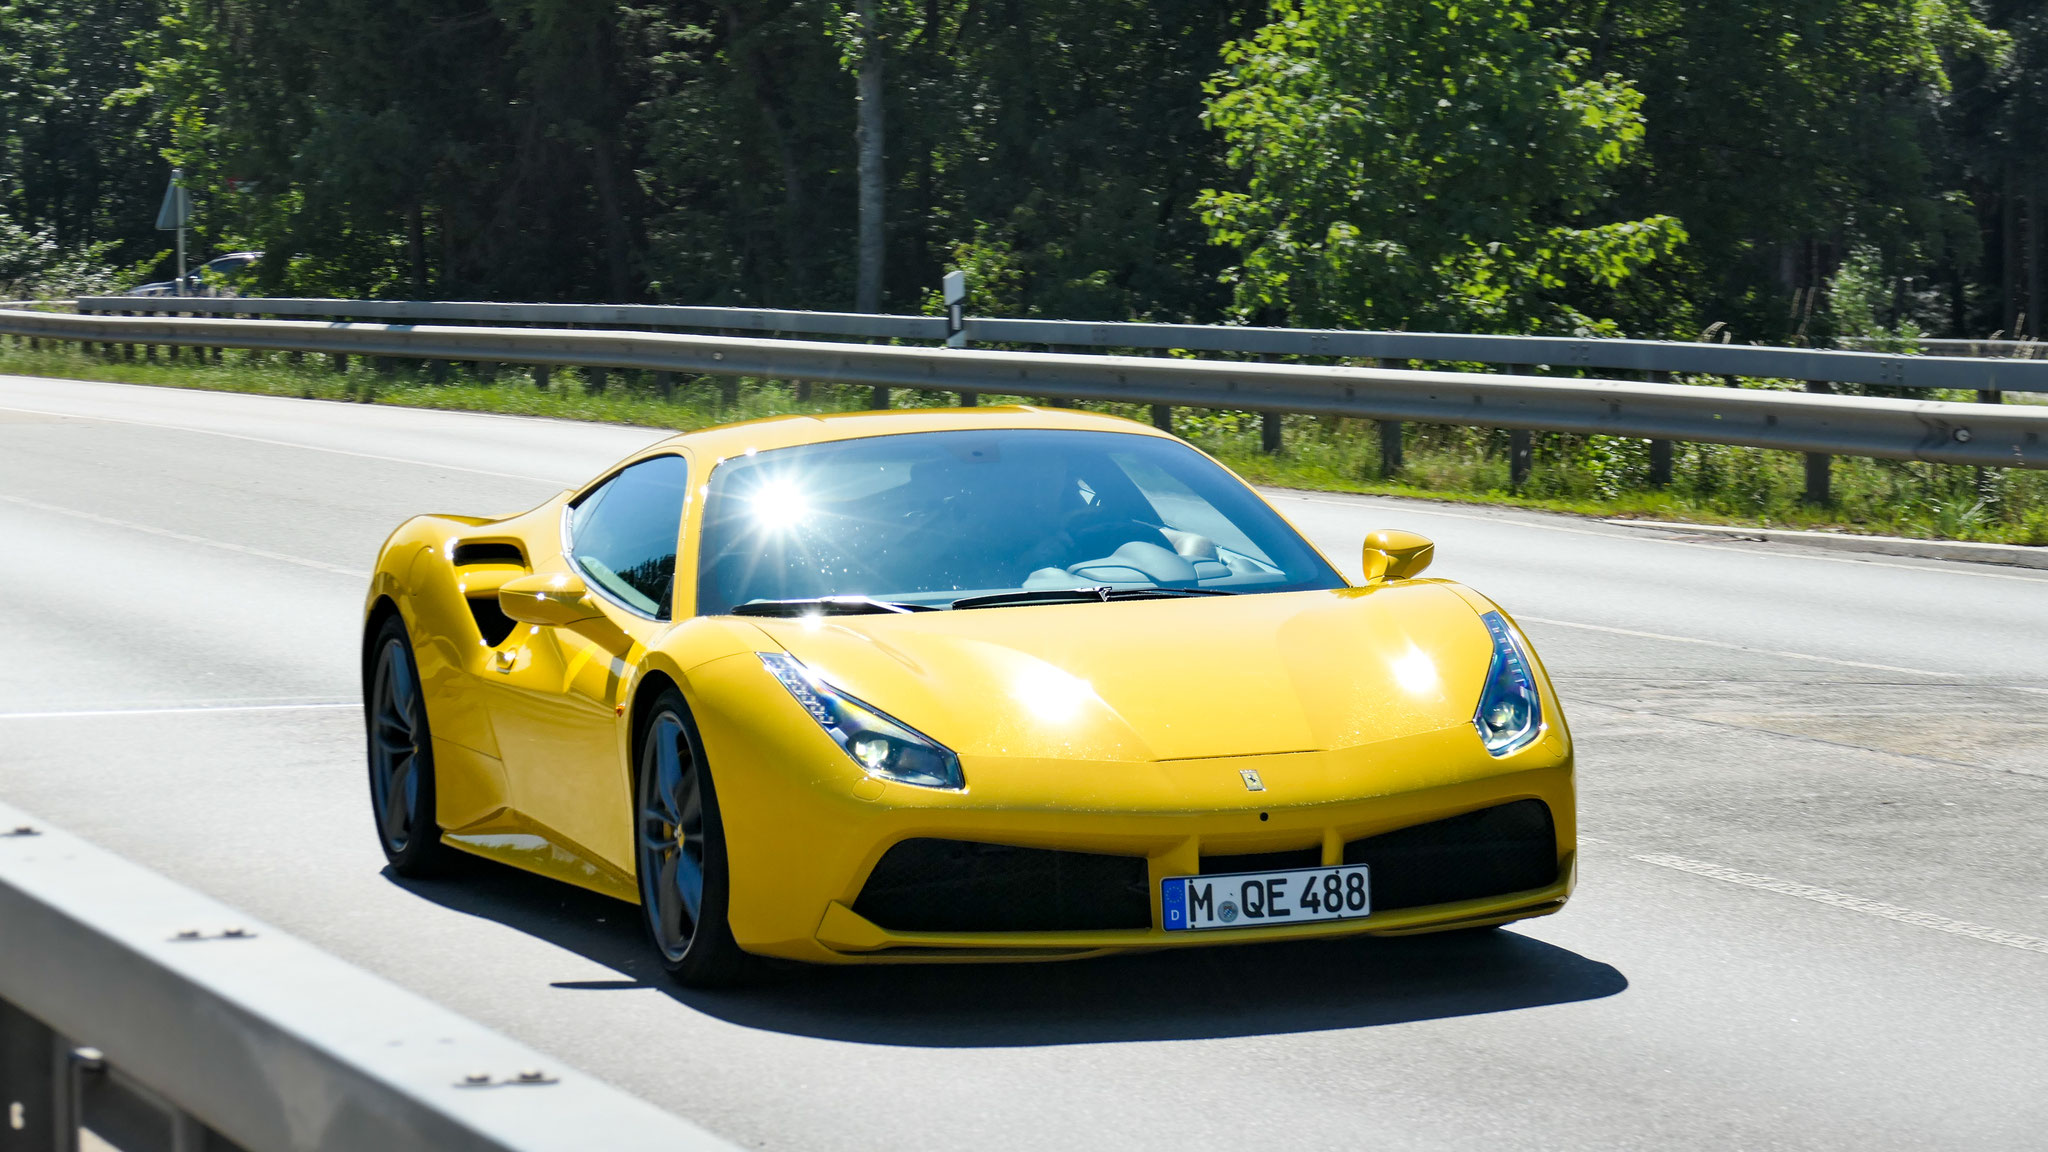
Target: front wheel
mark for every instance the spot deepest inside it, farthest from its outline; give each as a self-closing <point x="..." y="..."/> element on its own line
<point x="401" y="753"/>
<point x="681" y="851"/>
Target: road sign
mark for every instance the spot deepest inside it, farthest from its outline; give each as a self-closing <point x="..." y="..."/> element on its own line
<point x="177" y="209"/>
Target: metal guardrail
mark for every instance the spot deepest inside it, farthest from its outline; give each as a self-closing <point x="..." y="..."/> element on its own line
<point x="2007" y="349"/>
<point x="1934" y="431"/>
<point x="859" y="325"/>
<point x="158" y="1018"/>
<point x="1638" y="356"/>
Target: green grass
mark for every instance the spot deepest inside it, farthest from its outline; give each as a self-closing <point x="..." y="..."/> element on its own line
<point x="1586" y="475"/>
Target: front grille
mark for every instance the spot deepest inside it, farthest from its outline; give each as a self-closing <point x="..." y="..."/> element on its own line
<point x="1491" y="852"/>
<point x="962" y="886"/>
<point x="1262" y="861"/>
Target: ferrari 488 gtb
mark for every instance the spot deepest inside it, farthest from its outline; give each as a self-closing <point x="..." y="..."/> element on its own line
<point x="958" y="685"/>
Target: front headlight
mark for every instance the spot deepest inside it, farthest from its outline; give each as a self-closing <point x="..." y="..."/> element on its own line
<point x="1510" y="715"/>
<point x="882" y="745"/>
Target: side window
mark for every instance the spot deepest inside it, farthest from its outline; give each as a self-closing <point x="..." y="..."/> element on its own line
<point x="623" y="536"/>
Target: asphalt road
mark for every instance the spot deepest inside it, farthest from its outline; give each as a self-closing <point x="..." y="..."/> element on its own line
<point x="1813" y="902"/>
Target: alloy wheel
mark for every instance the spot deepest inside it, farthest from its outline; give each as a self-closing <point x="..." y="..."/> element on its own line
<point x="396" y="733"/>
<point x="672" y="841"/>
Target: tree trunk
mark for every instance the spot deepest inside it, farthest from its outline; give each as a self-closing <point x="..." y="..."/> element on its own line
<point x="2009" y="258"/>
<point x="868" y="137"/>
<point x="2035" y="312"/>
<point x="757" y="76"/>
<point x="416" y="248"/>
<point x="612" y="214"/>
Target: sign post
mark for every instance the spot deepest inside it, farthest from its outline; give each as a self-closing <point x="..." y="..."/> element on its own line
<point x="176" y="210"/>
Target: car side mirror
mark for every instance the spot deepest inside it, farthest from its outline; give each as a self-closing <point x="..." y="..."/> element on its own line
<point x="1391" y="554"/>
<point x="554" y="598"/>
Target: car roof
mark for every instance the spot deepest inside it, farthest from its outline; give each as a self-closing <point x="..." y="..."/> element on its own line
<point x="728" y="440"/>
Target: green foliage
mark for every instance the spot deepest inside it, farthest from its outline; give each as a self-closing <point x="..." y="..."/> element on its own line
<point x="79" y="167"/>
<point x="1858" y="297"/>
<point x="1784" y="133"/>
<point x="33" y="266"/>
<point x="1425" y="164"/>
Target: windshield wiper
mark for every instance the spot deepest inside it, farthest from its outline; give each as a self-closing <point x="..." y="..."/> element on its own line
<point x="826" y="606"/>
<point x="1099" y="593"/>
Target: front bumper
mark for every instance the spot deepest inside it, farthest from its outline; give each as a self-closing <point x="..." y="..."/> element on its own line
<point x="805" y="828"/>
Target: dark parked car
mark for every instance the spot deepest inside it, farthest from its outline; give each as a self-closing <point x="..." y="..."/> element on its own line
<point x="208" y="279"/>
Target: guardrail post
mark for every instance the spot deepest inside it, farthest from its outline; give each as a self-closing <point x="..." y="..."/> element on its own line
<point x="665" y="384"/>
<point x="1270" y="423"/>
<point x="1062" y="350"/>
<point x="1391" y="435"/>
<point x="541" y="372"/>
<point x="29" y="1086"/>
<point x="595" y="379"/>
<point x="1819" y="466"/>
<point x="1162" y="417"/>
<point x="1660" y="450"/>
<point x="1987" y="479"/>
<point x="1521" y="445"/>
<point x="1521" y="457"/>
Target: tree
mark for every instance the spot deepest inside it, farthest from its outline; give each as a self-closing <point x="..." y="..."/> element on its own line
<point x="1787" y="133"/>
<point x="1430" y="164"/>
<point x="79" y="168"/>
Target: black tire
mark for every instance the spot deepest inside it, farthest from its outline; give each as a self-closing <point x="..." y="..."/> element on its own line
<point x="679" y="851"/>
<point x="400" y="749"/>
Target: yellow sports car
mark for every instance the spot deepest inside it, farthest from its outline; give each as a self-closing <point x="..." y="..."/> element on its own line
<point x="989" y="683"/>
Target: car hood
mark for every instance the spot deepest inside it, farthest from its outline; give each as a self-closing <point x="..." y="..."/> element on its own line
<point x="1163" y="679"/>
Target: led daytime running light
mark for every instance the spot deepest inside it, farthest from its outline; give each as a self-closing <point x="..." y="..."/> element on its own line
<point x="882" y="745"/>
<point x="1510" y="712"/>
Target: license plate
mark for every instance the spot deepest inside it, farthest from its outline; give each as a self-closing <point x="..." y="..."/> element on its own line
<point x="1265" y="899"/>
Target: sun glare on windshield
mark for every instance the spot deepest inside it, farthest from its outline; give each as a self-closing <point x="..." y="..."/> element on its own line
<point x="779" y="504"/>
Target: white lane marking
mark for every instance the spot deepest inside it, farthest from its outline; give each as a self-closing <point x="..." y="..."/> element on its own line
<point x="1836" y="899"/>
<point x="1648" y="539"/>
<point x="224" y="545"/>
<point x="295" y="444"/>
<point x="177" y="711"/>
<point x="1743" y="648"/>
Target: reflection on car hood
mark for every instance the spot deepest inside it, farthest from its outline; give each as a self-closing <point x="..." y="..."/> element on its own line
<point x="1163" y="679"/>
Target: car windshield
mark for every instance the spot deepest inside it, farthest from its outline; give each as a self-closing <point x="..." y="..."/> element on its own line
<point x="939" y="519"/>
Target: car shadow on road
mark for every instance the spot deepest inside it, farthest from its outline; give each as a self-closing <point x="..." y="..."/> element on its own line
<point x="1182" y="994"/>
